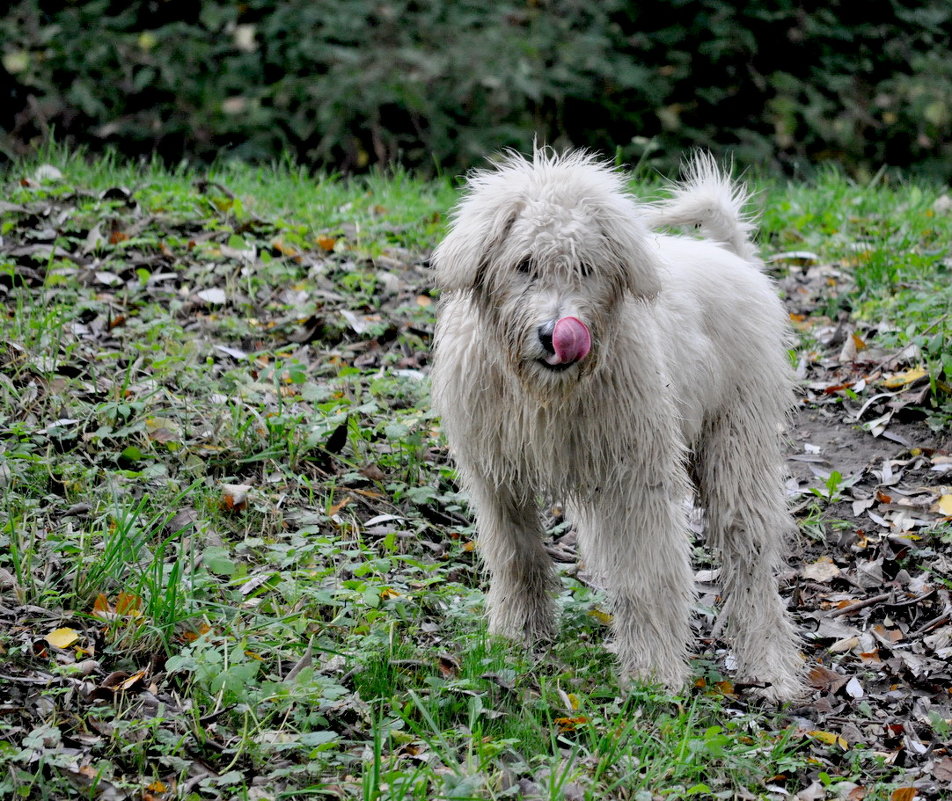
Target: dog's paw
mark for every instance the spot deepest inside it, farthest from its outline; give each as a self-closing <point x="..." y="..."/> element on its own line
<point x="772" y="664"/>
<point x="672" y="677"/>
<point x="787" y="690"/>
<point x="527" y="624"/>
<point x="778" y="685"/>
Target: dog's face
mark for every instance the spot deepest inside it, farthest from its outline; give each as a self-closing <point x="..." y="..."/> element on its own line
<point x="547" y="291"/>
<point x="549" y="250"/>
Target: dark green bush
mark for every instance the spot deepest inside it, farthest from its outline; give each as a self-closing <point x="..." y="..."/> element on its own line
<point x="349" y="83"/>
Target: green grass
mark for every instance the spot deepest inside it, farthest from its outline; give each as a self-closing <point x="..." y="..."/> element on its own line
<point x="319" y="631"/>
<point x="892" y="242"/>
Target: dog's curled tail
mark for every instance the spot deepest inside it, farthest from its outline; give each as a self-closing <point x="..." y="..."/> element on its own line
<point x="708" y="199"/>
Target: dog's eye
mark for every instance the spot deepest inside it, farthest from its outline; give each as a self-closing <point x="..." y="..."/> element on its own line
<point x="525" y="266"/>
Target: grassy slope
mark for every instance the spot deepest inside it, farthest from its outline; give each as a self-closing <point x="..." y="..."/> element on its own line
<point x="317" y="629"/>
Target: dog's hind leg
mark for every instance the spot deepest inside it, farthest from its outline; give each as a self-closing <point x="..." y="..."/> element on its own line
<point x="638" y="544"/>
<point x="740" y="485"/>
<point x="519" y="602"/>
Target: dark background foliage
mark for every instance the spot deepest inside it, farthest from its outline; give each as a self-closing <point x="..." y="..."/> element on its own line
<point x="435" y="84"/>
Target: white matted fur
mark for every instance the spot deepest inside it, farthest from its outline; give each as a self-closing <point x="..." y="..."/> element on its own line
<point x="583" y="355"/>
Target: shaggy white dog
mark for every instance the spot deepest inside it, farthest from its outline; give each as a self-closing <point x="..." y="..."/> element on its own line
<point x="582" y="355"/>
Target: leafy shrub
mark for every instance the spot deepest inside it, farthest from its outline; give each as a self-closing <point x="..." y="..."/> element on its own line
<point x="349" y="83"/>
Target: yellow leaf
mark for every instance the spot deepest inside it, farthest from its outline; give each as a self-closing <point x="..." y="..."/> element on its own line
<point x="125" y="684"/>
<point x="568" y="724"/>
<point x="326" y="243"/>
<point x="62" y="638"/>
<point x="602" y="617"/>
<point x="906" y="377"/>
<point x="945" y="505"/>
<point x="830" y="738"/>
<point x="284" y="249"/>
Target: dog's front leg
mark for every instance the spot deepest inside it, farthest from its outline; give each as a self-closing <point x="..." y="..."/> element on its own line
<point x="636" y="540"/>
<point x="519" y="602"/>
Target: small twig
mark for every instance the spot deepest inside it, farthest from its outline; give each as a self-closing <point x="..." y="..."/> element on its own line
<point x="888" y="364"/>
<point x="846" y="610"/>
<point x="203" y="185"/>
<point x="855" y="607"/>
<point x="910" y="601"/>
<point x="26" y="679"/>
<point x="211" y="717"/>
<point x="941" y="620"/>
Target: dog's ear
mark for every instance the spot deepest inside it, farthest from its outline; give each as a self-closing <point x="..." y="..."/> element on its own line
<point x="637" y="267"/>
<point x="462" y="259"/>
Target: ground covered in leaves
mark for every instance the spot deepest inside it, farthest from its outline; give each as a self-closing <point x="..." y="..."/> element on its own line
<point x="234" y="562"/>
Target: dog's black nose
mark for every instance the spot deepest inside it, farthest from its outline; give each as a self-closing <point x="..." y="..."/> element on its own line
<point x="545" y="336"/>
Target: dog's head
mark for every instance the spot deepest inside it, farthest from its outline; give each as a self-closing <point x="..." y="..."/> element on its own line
<point x="549" y="250"/>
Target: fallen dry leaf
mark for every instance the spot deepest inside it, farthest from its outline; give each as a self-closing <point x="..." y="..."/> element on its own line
<point x="62" y="638"/>
<point x="943" y="770"/>
<point x="286" y="250"/>
<point x="903" y="794"/>
<point x="825" y="679"/>
<point x="906" y="377"/>
<point x="830" y="738"/>
<point x="944" y="505"/>
<point x="129" y="604"/>
<point x="822" y="570"/>
<point x="335" y="508"/>
<point x="569" y="724"/>
<point x="604" y="618"/>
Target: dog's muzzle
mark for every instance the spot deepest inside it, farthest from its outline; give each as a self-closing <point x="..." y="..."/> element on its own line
<point x="565" y="341"/>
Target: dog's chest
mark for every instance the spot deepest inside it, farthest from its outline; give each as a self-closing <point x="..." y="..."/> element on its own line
<point x="566" y="451"/>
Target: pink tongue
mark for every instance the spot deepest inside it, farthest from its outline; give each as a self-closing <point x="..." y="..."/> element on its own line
<point x="570" y="340"/>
